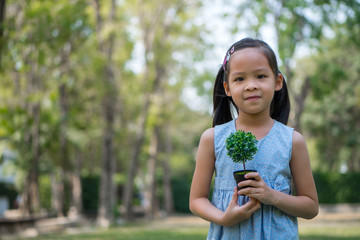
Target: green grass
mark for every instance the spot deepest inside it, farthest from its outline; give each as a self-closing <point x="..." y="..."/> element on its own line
<point x="134" y="233"/>
<point x="148" y="232"/>
<point x="333" y="232"/>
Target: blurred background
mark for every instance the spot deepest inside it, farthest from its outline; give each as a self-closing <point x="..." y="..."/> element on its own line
<point x="102" y="103"/>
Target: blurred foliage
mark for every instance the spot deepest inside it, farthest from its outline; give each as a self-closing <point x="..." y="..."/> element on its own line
<point x="333" y="110"/>
<point x="52" y="44"/>
<point x="45" y="192"/>
<point x="8" y="190"/>
<point x="90" y="193"/>
<point x="334" y="187"/>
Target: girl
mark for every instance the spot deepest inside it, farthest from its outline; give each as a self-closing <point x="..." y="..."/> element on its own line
<point x="249" y="81"/>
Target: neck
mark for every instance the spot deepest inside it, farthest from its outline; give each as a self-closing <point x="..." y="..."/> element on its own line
<point x="247" y="120"/>
<point x="259" y="125"/>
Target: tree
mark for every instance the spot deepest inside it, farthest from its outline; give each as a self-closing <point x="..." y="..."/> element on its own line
<point x="293" y="28"/>
<point x="334" y="107"/>
<point x="2" y="17"/>
<point x="60" y="60"/>
<point x="40" y="43"/>
<point x="163" y="35"/>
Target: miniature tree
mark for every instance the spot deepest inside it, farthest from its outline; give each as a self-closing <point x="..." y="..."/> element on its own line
<point x="241" y="146"/>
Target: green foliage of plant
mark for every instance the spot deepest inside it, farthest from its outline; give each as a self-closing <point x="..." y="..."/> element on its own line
<point x="241" y="146"/>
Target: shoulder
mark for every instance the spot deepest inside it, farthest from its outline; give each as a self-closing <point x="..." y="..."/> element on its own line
<point x="298" y="144"/>
<point x="206" y="148"/>
<point x="208" y="135"/>
<point x="298" y="139"/>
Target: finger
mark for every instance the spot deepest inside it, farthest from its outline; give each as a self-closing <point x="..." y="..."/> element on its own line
<point x="235" y="196"/>
<point x="251" y="203"/>
<point x="251" y="206"/>
<point x="255" y="175"/>
<point x="255" y="204"/>
<point x="247" y="183"/>
<point x="250" y="192"/>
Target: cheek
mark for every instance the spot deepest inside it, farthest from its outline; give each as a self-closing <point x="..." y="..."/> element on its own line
<point x="270" y="91"/>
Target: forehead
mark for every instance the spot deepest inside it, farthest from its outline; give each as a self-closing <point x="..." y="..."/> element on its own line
<point x="248" y="58"/>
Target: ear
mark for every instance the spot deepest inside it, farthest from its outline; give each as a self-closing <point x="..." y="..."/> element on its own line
<point x="279" y="82"/>
<point x="227" y="89"/>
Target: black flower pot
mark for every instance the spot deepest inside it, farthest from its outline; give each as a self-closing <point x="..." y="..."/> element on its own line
<point x="239" y="176"/>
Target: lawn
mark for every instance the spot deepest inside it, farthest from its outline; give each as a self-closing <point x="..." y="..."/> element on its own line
<point x="134" y="233"/>
<point x="341" y="231"/>
<point x="147" y="232"/>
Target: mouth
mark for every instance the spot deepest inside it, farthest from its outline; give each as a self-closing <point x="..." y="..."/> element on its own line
<point x="252" y="98"/>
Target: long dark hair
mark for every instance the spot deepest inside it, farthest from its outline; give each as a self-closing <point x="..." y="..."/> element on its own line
<point x="223" y="105"/>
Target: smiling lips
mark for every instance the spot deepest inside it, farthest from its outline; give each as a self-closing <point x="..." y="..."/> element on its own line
<point x="252" y="98"/>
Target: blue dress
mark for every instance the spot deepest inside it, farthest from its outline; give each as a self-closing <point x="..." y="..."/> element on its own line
<point x="272" y="162"/>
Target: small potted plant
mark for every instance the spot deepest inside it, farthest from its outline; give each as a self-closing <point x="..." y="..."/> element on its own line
<point x="241" y="147"/>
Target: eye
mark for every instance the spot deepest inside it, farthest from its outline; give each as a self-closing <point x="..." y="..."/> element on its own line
<point x="260" y="76"/>
<point x="239" y="79"/>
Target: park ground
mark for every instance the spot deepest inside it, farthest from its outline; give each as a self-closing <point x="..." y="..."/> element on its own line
<point x="342" y="223"/>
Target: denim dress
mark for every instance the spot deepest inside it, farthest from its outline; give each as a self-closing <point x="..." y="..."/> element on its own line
<point x="272" y="162"/>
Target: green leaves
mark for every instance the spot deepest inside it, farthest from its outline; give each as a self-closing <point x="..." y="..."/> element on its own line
<point x="241" y="146"/>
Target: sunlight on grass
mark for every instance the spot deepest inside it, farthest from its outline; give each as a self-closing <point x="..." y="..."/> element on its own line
<point x="148" y="232"/>
<point x="340" y="232"/>
<point x="135" y="233"/>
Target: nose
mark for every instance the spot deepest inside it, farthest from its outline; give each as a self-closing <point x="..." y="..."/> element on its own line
<point x="251" y="85"/>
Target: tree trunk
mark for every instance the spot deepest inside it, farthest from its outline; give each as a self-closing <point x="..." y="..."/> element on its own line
<point x="139" y="138"/>
<point x="31" y="194"/>
<point x="106" y="204"/>
<point x="168" y="197"/>
<point x="152" y="209"/>
<point x="298" y="97"/>
<point x="129" y="187"/>
<point x="72" y="168"/>
<point x="63" y="150"/>
<point x="76" y="206"/>
<point x="58" y="191"/>
<point x="153" y="90"/>
<point x="107" y="187"/>
<point x="300" y="103"/>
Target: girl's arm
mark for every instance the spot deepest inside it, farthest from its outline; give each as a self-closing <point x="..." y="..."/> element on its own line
<point x="305" y="203"/>
<point x="200" y="187"/>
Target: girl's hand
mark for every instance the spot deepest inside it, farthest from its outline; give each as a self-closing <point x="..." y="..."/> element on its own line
<point x="235" y="213"/>
<point x="257" y="189"/>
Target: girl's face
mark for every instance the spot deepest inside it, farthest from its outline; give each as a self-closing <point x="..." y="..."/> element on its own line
<point x="251" y="83"/>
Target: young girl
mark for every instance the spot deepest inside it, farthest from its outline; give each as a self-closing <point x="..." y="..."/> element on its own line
<point x="250" y="82"/>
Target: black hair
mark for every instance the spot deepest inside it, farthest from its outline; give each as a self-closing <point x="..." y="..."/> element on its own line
<point x="223" y="104"/>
